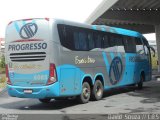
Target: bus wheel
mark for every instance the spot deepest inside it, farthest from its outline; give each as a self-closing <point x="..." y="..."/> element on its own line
<point x="140" y="84"/>
<point x="97" y="91"/>
<point x="47" y="100"/>
<point x="86" y="93"/>
<point x="61" y="98"/>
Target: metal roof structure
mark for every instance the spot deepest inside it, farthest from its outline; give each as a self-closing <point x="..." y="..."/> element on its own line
<point x="138" y="15"/>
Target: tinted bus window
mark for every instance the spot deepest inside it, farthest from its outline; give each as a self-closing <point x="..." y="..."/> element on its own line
<point x="129" y="44"/>
<point x="119" y="44"/>
<point x="112" y="40"/>
<point x="66" y="36"/>
<point x="73" y="38"/>
<point x="116" y="43"/>
<point x="98" y="40"/>
<point x="76" y="40"/>
<point x="139" y="46"/>
<point x="132" y="44"/>
<point x="91" y="43"/>
<point x="82" y="41"/>
<point x="106" y="43"/>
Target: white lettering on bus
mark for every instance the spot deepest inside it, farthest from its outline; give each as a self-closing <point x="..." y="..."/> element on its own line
<point x="84" y="60"/>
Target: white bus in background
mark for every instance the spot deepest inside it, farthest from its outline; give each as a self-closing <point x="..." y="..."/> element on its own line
<point x="2" y="46"/>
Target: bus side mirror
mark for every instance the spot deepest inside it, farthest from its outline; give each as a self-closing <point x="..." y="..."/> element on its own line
<point x="154" y="52"/>
<point x="154" y="55"/>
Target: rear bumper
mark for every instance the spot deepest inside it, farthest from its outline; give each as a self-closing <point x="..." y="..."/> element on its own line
<point x="49" y="91"/>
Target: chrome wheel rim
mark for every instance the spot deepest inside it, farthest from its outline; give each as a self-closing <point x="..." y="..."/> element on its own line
<point x="98" y="90"/>
<point x="86" y="92"/>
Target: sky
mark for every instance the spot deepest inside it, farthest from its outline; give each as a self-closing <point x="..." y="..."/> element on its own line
<point x="74" y="10"/>
<point x="151" y="37"/>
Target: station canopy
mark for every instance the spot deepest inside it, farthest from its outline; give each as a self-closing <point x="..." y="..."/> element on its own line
<point x="138" y="15"/>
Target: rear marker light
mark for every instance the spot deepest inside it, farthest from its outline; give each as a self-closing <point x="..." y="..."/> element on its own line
<point x="52" y="75"/>
<point x="10" y="22"/>
<point x="7" y="76"/>
<point x="47" y="19"/>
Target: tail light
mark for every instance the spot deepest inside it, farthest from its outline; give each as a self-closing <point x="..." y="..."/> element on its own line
<point x="52" y="75"/>
<point x="7" y="76"/>
<point x="10" y="22"/>
<point x="47" y="19"/>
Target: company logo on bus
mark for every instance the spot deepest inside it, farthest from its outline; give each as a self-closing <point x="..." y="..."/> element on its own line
<point x="115" y="71"/>
<point x="28" y="30"/>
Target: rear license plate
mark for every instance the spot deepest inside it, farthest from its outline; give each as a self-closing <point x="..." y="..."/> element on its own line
<point x="28" y="91"/>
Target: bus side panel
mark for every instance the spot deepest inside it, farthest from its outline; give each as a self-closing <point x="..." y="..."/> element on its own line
<point x="130" y="68"/>
<point x="116" y="67"/>
<point x="67" y="79"/>
<point x="74" y="68"/>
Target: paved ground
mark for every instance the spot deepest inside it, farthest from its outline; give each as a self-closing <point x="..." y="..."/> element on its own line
<point x="121" y="100"/>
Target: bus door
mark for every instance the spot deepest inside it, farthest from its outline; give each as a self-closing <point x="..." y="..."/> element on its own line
<point x="130" y="55"/>
<point x="148" y="64"/>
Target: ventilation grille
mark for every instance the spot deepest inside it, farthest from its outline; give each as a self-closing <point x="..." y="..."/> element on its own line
<point x="27" y="57"/>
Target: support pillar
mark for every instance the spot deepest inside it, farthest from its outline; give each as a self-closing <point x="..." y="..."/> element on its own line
<point x="157" y="31"/>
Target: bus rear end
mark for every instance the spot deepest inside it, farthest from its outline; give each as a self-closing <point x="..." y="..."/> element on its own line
<point x="29" y="72"/>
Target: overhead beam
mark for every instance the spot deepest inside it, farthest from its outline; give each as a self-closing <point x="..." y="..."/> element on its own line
<point x="101" y="21"/>
<point x="104" y="6"/>
<point x="142" y="28"/>
<point x="138" y="16"/>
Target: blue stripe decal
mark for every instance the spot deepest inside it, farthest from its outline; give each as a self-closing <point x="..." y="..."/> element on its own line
<point x="16" y="26"/>
<point x="94" y="27"/>
<point x="33" y="21"/>
<point x="112" y="30"/>
<point x="126" y="32"/>
<point x="22" y="79"/>
<point x="119" y="55"/>
<point x="23" y="22"/>
<point x="112" y="55"/>
<point x="106" y="61"/>
<point x="103" y="29"/>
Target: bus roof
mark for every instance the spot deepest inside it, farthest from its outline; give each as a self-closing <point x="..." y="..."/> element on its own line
<point x="95" y="27"/>
<point x="102" y="28"/>
<point x="127" y="32"/>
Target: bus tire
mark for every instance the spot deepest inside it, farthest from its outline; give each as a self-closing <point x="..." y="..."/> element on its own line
<point x="140" y="84"/>
<point x="46" y="100"/>
<point x="132" y="85"/>
<point x="97" y="91"/>
<point x="85" y="94"/>
<point x="61" y="98"/>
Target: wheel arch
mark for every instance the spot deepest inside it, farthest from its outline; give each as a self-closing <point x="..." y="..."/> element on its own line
<point x="143" y="74"/>
<point x="87" y="78"/>
<point x="100" y="77"/>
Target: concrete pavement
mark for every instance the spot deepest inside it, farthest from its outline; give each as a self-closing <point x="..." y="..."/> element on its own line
<point x="120" y="100"/>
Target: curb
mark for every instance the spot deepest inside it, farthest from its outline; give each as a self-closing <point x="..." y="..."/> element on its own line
<point x="3" y="90"/>
<point x="156" y="77"/>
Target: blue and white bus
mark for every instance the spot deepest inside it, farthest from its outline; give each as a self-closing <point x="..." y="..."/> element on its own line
<point x="51" y="59"/>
